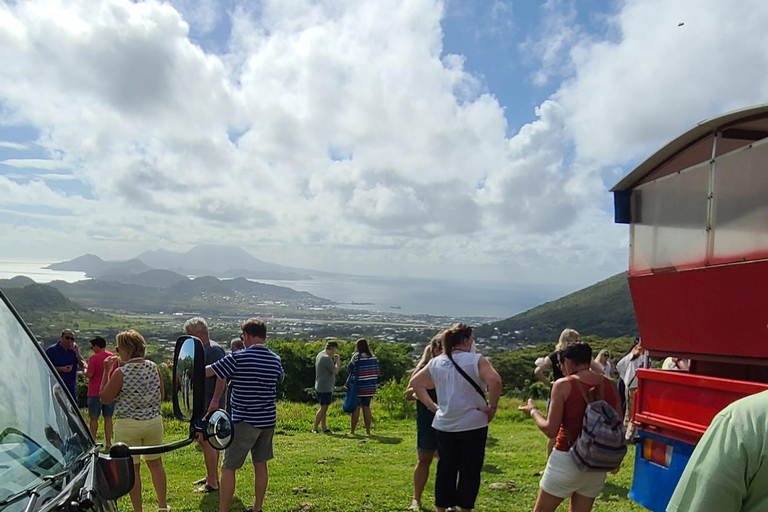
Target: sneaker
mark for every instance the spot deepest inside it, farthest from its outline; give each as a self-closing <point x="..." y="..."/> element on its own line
<point x="315" y="431"/>
<point x="415" y="505"/>
<point x="327" y="431"/>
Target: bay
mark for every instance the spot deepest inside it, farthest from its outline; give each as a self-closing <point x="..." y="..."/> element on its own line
<point x="394" y="295"/>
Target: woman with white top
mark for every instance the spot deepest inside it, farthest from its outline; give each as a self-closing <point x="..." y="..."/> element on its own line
<point x="461" y="415"/>
<point x="137" y="389"/>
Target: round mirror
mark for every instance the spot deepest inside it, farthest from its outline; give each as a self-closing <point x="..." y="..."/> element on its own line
<point x="219" y="430"/>
<point x="184" y="378"/>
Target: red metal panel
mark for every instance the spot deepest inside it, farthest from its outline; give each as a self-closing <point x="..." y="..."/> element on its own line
<point x="715" y="310"/>
<point x="680" y="405"/>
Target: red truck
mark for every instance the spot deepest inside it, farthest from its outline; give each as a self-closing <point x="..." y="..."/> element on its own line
<point x="697" y="211"/>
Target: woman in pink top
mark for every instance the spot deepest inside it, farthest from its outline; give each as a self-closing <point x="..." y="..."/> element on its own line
<point x="95" y="373"/>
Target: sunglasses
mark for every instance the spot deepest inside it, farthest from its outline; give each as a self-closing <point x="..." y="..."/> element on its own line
<point x="70" y="338"/>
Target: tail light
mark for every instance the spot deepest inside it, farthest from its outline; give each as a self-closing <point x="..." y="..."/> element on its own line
<point x="657" y="452"/>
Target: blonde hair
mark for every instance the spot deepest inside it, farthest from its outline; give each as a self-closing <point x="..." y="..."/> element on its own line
<point x="434" y="343"/>
<point x="131" y="343"/>
<point x="567" y="337"/>
<point x="600" y="355"/>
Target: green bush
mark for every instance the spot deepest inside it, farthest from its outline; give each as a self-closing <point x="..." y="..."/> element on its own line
<point x="391" y="398"/>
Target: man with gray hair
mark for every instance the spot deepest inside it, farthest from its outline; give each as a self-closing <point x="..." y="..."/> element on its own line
<point x="198" y="327"/>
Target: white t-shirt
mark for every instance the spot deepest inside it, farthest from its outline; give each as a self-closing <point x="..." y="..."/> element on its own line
<point x="457" y="399"/>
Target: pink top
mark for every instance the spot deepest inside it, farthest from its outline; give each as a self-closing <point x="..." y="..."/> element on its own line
<point x="96" y="363"/>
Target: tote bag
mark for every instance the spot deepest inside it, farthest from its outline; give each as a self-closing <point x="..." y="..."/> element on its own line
<point x="350" y="399"/>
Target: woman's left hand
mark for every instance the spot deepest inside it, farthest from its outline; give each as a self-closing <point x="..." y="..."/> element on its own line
<point x="527" y="408"/>
<point x="490" y="411"/>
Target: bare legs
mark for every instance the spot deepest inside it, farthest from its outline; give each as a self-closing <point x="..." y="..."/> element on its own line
<point x="421" y="473"/>
<point x="226" y="489"/>
<point x="546" y="502"/>
<point x="367" y="419"/>
<point x="260" y="487"/>
<point x="354" y="419"/>
<point x="320" y="418"/>
<point x="211" y="456"/>
<point x="135" y="492"/>
<point x="158" y="480"/>
<point x="107" y="429"/>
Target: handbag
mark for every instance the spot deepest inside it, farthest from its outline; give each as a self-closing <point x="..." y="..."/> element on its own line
<point x="350" y="399"/>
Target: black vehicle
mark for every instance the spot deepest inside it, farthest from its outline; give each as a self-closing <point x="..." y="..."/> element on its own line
<point x="48" y="459"/>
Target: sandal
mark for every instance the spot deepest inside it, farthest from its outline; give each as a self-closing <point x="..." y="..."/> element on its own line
<point x="201" y="481"/>
<point x="205" y="488"/>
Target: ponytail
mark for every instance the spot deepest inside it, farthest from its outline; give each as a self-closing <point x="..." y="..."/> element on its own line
<point x="454" y="336"/>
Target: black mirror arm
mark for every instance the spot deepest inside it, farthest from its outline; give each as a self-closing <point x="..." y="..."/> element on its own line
<point x="163" y="448"/>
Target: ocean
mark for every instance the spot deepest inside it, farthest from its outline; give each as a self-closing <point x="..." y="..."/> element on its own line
<point x="459" y="299"/>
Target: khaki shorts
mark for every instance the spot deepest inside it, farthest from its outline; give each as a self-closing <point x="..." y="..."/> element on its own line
<point x="140" y="433"/>
<point x="248" y="438"/>
<point x="562" y="478"/>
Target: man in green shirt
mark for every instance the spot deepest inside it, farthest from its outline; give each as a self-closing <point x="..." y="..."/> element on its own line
<point x="326" y="368"/>
<point x="728" y="471"/>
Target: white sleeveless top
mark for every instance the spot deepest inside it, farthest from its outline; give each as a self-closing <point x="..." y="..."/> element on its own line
<point x="457" y="399"/>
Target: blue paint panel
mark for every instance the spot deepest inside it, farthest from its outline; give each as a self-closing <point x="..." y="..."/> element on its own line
<point x="653" y="485"/>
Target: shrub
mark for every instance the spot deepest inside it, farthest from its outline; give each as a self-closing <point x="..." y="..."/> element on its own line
<point x="393" y="403"/>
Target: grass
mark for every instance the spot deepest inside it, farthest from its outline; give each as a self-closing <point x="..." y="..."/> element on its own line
<point x="339" y="472"/>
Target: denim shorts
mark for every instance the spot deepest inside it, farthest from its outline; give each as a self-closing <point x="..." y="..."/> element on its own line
<point x="365" y="401"/>
<point x="324" y="398"/>
<point x="96" y="408"/>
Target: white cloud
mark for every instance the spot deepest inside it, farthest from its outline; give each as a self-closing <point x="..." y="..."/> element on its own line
<point x="13" y="145"/>
<point x="35" y="163"/>
<point x="631" y="94"/>
<point x="337" y="133"/>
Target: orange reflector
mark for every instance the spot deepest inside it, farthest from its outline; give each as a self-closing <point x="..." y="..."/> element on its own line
<point x="657" y="452"/>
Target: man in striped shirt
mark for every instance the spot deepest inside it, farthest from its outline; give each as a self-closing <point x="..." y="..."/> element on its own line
<point x="253" y="377"/>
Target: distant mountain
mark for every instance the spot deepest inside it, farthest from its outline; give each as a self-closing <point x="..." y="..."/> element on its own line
<point x="38" y="301"/>
<point x="603" y="309"/>
<point x="87" y="263"/>
<point x="15" y="282"/>
<point x="202" y="260"/>
<point x="118" y="268"/>
<point x="200" y="294"/>
<point x="153" y="278"/>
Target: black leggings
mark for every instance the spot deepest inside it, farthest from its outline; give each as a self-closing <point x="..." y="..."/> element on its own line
<point x="461" y="454"/>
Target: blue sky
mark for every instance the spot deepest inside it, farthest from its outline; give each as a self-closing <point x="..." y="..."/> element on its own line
<point x="457" y="139"/>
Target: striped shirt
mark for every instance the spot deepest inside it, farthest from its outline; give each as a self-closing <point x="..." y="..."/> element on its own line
<point x="369" y="373"/>
<point x="253" y="376"/>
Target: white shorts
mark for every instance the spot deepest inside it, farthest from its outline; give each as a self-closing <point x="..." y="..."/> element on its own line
<point x="562" y="478"/>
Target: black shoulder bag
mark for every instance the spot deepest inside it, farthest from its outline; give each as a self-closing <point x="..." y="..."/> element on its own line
<point x="469" y="379"/>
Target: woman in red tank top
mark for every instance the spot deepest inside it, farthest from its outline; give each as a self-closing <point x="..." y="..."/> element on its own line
<point x="562" y="478"/>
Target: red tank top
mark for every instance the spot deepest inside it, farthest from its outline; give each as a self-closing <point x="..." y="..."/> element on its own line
<point x="574" y="409"/>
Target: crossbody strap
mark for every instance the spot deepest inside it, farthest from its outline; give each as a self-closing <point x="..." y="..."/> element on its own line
<point x="469" y="379"/>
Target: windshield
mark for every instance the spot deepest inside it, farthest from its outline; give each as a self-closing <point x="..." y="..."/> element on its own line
<point x="41" y="433"/>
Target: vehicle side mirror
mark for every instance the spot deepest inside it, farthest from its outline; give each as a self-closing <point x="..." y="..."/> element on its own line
<point x="116" y="474"/>
<point x="189" y="379"/>
<point x="218" y="430"/>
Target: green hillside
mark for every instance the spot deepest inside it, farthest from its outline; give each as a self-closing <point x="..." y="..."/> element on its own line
<point x="603" y="309"/>
<point x="42" y="305"/>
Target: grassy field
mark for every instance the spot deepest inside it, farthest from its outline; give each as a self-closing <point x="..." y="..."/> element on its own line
<point x="340" y="472"/>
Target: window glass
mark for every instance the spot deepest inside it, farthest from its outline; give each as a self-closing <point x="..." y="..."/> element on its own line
<point x="41" y="433"/>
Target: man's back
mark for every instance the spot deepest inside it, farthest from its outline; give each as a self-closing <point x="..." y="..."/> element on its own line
<point x="254" y="374"/>
<point x="728" y="471"/>
<point x="324" y="376"/>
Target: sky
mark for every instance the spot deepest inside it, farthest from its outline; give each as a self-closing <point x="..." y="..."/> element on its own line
<point x="454" y="139"/>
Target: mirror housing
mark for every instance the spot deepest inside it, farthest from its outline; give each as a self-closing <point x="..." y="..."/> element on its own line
<point x="189" y="379"/>
<point x="116" y="474"/>
<point x="219" y="430"/>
